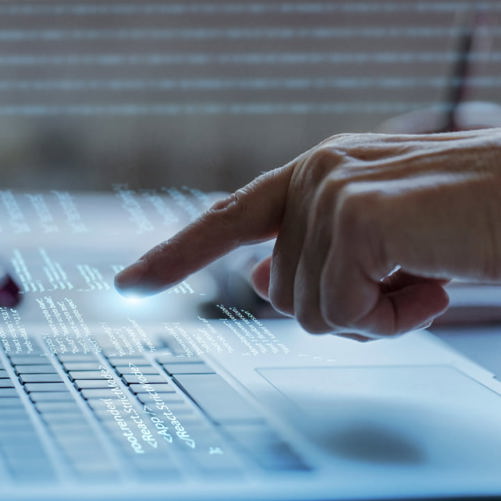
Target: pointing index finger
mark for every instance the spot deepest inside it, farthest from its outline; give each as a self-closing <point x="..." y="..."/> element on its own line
<point x="251" y="214"/>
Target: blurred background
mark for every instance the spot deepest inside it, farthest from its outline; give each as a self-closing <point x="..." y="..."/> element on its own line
<point x="210" y="93"/>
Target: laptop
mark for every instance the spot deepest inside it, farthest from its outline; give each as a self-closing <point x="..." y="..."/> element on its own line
<point x="104" y="398"/>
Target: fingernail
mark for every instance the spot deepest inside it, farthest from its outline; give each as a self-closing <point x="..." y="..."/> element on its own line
<point x="131" y="276"/>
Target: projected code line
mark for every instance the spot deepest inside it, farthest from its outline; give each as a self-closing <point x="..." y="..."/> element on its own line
<point x="83" y="9"/>
<point x="244" y="58"/>
<point x="218" y="109"/>
<point x="253" y="84"/>
<point x="193" y="34"/>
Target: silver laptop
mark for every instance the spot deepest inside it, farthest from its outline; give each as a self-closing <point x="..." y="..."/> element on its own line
<point x="102" y="398"/>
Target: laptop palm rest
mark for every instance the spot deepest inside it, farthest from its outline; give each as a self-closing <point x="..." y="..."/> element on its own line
<point x="427" y="417"/>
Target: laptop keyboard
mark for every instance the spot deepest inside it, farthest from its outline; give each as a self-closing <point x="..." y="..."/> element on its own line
<point x="107" y="418"/>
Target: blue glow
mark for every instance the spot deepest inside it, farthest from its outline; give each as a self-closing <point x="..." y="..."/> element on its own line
<point x="133" y="299"/>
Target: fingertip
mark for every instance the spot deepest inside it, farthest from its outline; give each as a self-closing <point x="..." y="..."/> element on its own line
<point x="129" y="280"/>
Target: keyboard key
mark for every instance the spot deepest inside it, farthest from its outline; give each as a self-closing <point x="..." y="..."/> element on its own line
<point x="189" y="420"/>
<point x="86" y="375"/>
<point x="19" y="426"/>
<point x="172" y="398"/>
<point x="83" y="384"/>
<point x="172" y="359"/>
<point x="78" y="357"/>
<point x="125" y="361"/>
<point x="29" y="359"/>
<point x="13" y="437"/>
<point x="9" y="412"/>
<point x="8" y="402"/>
<point x="40" y="378"/>
<point x="63" y="431"/>
<point x="146" y="370"/>
<point x="82" y="366"/>
<point x="35" y="369"/>
<point x="29" y="387"/>
<point x="97" y="393"/>
<point x="266" y="447"/>
<point x="133" y="379"/>
<point x="177" y="409"/>
<point x="61" y="416"/>
<point x="45" y="396"/>
<point x="79" y="446"/>
<point x="191" y="368"/>
<point x="14" y="422"/>
<point x="217" y="398"/>
<point x="46" y="407"/>
<point x="77" y="424"/>
<point x="158" y="387"/>
<point x="97" y="405"/>
<point x="32" y="450"/>
<point x="8" y="392"/>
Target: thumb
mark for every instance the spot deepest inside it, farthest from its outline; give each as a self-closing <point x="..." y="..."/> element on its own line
<point x="251" y="214"/>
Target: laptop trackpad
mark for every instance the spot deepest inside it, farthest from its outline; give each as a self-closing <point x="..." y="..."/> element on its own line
<point x="434" y="416"/>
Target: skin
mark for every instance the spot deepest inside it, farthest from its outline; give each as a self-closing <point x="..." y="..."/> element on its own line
<point x="369" y="228"/>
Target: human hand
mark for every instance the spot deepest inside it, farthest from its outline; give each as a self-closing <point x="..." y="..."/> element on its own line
<point x="368" y="227"/>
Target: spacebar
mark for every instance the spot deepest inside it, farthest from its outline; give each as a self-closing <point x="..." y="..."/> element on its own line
<point x="217" y="398"/>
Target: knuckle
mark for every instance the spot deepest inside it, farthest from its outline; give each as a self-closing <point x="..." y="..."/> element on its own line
<point x="312" y="322"/>
<point x="343" y="137"/>
<point x="335" y="318"/>
<point x="320" y="155"/>
<point x="351" y="142"/>
<point x="335" y="314"/>
<point x="325" y="158"/>
<point x="319" y="166"/>
<point x="229" y="211"/>
<point x="362" y="222"/>
<point x="229" y="206"/>
<point x="357" y="209"/>
<point x="327" y="195"/>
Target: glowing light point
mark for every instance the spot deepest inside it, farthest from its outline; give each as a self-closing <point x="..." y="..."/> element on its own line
<point x="133" y="299"/>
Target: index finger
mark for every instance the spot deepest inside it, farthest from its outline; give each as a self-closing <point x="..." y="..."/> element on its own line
<point x="251" y="214"/>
